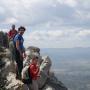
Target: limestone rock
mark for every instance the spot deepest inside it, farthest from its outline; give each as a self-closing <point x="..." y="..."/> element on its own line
<point x="33" y="49"/>
<point x="47" y="80"/>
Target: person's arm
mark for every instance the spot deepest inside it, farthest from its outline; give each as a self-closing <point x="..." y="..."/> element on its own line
<point x="23" y="50"/>
<point x="18" y="48"/>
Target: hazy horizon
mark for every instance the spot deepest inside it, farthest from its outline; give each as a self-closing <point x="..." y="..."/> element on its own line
<point x="72" y="67"/>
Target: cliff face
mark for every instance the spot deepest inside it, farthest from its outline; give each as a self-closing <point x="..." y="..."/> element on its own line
<point x="45" y="82"/>
<point x="2" y="65"/>
<point x="3" y="39"/>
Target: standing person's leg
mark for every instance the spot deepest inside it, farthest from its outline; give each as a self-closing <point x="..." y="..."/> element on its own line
<point x="19" y="64"/>
<point x="35" y="85"/>
<point x="19" y="68"/>
<point x="16" y="65"/>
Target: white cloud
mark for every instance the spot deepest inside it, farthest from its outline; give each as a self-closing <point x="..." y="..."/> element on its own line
<point x="2" y="10"/>
<point x="46" y="35"/>
<point x="84" y="33"/>
<point x="10" y="20"/>
<point x="34" y="12"/>
<point x="59" y="38"/>
<point x="71" y="3"/>
<point x="65" y="21"/>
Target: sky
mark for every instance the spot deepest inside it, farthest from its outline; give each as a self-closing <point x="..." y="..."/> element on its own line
<point x="49" y="23"/>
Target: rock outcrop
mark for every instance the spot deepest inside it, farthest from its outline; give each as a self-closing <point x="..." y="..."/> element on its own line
<point x="47" y="80"/>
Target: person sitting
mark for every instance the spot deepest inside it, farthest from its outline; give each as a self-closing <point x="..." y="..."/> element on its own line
<point x="33" y="73"/>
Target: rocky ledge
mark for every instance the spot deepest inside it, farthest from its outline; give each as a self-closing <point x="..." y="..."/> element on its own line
<point x="45" y="82"/>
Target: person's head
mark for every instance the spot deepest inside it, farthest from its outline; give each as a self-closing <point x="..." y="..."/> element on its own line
<point x="35" y="60"/>
<point x="13" y="27"/>
<point x="21" y="30"/>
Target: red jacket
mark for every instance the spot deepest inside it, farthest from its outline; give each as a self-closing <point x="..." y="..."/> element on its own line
<point x="12" y="33"/>
<point x="34" y="70"/>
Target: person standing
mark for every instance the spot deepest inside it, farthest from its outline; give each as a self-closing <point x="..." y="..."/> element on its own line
<point x="19" y="51"/>
<point x="11" y="34"/>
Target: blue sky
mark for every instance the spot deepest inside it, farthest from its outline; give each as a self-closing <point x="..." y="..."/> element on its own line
<point x="49" y="23"/>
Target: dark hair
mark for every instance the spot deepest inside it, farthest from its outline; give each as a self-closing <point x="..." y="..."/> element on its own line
<point x="21" y="27"/>
<point x="13" y="25"/>
<point x="35" y="57"/>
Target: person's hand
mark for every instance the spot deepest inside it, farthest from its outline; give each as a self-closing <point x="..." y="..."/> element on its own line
<point x="39" y="76"/>
<point x="24" y="55"/>
<point x="37" y="65"/>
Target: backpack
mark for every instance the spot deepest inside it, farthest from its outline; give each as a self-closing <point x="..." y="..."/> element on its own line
<point x="27" y="80"/>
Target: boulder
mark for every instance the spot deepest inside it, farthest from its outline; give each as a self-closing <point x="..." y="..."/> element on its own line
<point x="44" y="71"/>
<point x="34" y="49"/>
